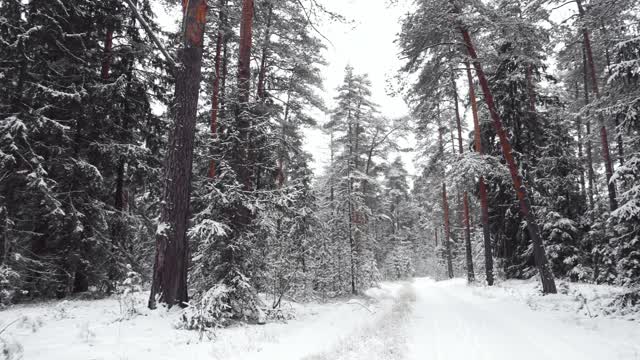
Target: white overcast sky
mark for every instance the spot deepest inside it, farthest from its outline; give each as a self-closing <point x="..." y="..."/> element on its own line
<point x="366" y="42"/>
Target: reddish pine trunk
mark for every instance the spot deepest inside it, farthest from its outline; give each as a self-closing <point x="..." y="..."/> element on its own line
<point x="465" y="202"/>
<point x="447" y="230"/>
<point x="548" y="282"/>
<point x="484" y="202"/>
<point x="215" y="100"/>
<point x="604" y="138"/>
<point x="169" y="283"/>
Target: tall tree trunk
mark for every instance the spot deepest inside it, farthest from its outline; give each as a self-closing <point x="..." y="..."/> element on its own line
<point x="454" y="89"/>
<point x="447" y="230"/>
<point x="352" y="245"/>
<point x="604" y="139"/>
<point x="244" y="151"/>
<point x="215" y="98"/>
<point x="590" y="172"/>
<point x="548" y="282"/>
<point x="465" y="197"/>
<point x="169" y="283"/>
<point x="244" y="58"/>
<point x="484" y="202"/>
<point x="262" y="74"/>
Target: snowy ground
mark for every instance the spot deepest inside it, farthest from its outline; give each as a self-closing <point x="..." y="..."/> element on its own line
<point x="419" y="320"/>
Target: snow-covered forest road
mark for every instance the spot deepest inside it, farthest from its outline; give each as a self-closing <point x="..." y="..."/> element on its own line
<point x="422" y="319"/>
<point x="453" y="321"/>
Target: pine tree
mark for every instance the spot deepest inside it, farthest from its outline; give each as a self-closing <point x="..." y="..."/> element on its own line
<point x="172" y="247"/>
<point x="79" y="146"/>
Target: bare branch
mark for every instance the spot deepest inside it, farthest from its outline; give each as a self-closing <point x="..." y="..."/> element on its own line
<point x="149" y="32"/>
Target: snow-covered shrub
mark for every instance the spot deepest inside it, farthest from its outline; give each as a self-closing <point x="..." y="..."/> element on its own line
<point x="211" y="310"/>
<point x="60" y="311"/>
<point x="601" y="252"/>
<point x="282" y="314"/>
<point x="127" y="291"/>
<point x="9" y="282"/>
<point x="627" y="303"/>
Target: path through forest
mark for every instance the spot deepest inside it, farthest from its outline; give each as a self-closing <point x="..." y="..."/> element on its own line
<point x="450" y="320"/>
<point x="453" y="321"/>
<point x="421" y="319"/>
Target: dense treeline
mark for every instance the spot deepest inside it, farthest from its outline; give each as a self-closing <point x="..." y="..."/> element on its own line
<point x="542" y="130"/>
<point x="180" y="156"/>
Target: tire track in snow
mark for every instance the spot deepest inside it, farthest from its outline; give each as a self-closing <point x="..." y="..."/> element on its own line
<point x="384" y="339"/>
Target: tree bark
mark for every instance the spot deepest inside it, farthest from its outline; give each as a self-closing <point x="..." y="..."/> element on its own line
<point x="169" y="283"/>
<point x="548" y="282"/>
